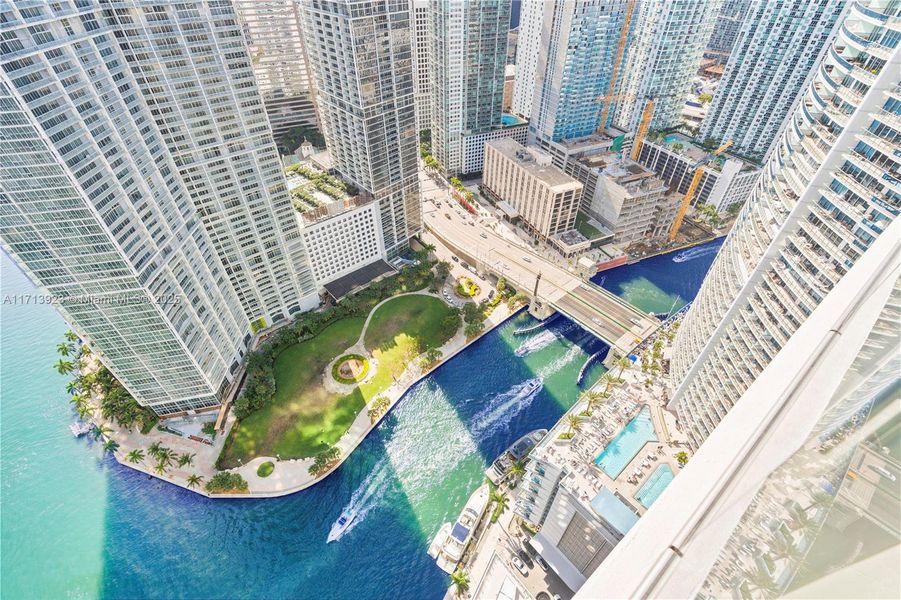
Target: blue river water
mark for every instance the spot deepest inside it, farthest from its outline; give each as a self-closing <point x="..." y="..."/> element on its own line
<point x="78" y="525"/>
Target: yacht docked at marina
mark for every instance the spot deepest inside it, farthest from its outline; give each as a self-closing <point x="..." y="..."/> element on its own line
<point x="499" y="469"/>
<point x="448" y="546"/>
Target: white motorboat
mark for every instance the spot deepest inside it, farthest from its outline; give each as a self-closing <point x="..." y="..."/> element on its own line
<point x="448" y="546"/>
<point x="498" y="470"/>
<point x="341" y="525"/>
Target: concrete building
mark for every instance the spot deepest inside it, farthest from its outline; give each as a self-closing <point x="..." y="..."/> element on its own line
<point x="630" y="200"/>
<point x="421" y="67"/>
<point x="545" y="197"/>
<point x="361" y="56"/>
<point x="665" y="48"/>
<point x="728" y="24"/>
<point x="343" y="239"/>
<point x="468" y="50"/>
<point x="147" y="195"/>
<point x="273" y="34"/>
<point x="512" y="128"/>
<point x="576" y="56"/>
<point x="781" y="44"/>
<point x="726" y="182"/>
<point x="827" y="192"/>
<point x="509" y="78"/>
<point x="528" y="46"/>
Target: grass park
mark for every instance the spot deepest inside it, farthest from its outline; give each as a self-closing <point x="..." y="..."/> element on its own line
<point x="304" y="417"/>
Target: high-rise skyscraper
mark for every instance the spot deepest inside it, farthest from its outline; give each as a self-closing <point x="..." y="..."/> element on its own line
<point x="361" y="56"/>
<point x="273" y="33"/>
<point x="421" y="68"/>
<point x="829" y="188"/>
<point x="578" y="49"/>
<point x="528" y="45"/>
<point x="141" y="188"/>
<point x="468" y="57"/>
<point x="780" y="44"/>
<point x="728" y="23"/>
<point x="666" y="44"/>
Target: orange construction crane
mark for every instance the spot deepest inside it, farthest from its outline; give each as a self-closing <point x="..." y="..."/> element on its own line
<point x="614" y="74"/>
<point x="643" y="125"/>
<point x="692" y="188"/>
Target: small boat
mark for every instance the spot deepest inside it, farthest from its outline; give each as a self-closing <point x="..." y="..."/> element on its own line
<point x="448" y="546"/>
<point x="341" y="525"/>
<point x="79" y="429"/>
<point x="498" y="470"/>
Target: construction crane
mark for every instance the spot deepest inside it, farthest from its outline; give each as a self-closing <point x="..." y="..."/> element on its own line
<point x="692" y="188"/>
<point x="643" y="125"/>
<point x="620" y="49"/>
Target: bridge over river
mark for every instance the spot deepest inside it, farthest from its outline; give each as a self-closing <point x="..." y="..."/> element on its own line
<point x="615" y="321"/>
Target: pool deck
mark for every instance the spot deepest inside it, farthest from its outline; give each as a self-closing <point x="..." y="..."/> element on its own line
<point x="584" y="477"/>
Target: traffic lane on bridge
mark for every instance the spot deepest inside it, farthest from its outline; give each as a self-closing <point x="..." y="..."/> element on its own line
<point x="611" y="308"/>
<point x="601" y="326"/>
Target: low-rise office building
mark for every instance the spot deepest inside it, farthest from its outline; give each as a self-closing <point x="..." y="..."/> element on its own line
<point x="511" y="127"/>
<point x="546" y="198"/>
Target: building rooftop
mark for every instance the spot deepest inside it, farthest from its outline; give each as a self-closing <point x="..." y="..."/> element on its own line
<point x="535" y="162"/>
<point x="610" y="508"/>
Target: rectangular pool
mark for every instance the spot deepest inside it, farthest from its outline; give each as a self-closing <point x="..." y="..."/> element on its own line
<point x="620" y="452"/>
<point x="654" y="486"/>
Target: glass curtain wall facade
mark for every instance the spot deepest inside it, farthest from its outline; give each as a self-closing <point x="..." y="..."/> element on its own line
<point x="273" y="33"/>
<point x="829" y="189"/>
<point x="360" y="52"/>
<point x="578" y="46"/>
<point x="665" y="48"/>
<point x="780" y="45"/>
<point x="468" y="59"/>
<point x="142" y="188"/>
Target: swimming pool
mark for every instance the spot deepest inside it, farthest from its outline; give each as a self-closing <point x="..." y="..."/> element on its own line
<point x="509" y="120"/>
<point x="673" y="137"/>
<point x="620" y="452"/>
<point x="654" y="486"/>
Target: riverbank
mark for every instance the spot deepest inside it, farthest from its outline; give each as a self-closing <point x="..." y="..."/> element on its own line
<point x="292" y="475"/>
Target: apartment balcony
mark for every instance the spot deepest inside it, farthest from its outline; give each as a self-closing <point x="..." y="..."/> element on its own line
<point x="837" y="116"/>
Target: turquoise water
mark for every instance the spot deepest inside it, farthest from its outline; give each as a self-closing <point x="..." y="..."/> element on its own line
<point x="78" y="525"/>
<point x="654" y="486"/>
<point x="509" y="120"/>
<point x="662" y="283"/>
<point x="671" y="138"/>
<point x="628" y="442"/>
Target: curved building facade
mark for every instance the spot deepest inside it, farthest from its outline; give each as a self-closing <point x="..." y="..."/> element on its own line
<point x="831" y="186"/>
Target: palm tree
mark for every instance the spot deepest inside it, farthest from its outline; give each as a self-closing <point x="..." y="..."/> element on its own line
<point x="110" y="445"/>
<point x="608" y="380"/>
<point x="72" y="387"/>
<point x="76" y="399"/>
<point x="64" y="367"/>
<point x="763" y="581"/>
<point x="102" y="430"/>
<point x="460" y="580"/>
<point x="160" y="468"/>
<point x="65" y="349"/>
<point x="623" y="363"/>
<point x="500" y="498"/>
<point x="785" y="547"/>
<point x="70" y="336"/>
<point x="135" y="456"/>
<point x="84" y="410"/>
<point x="154" y="449"/>
<point x="592" y="398"/>
<point x="574" y="423"/>
<point x="165" y="456"/>
<point x="185" y="459"/>
<point x="517" y="469"/>
<point x="195" y="480"/>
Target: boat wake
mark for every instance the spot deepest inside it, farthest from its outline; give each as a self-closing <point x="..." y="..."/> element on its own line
<point x="500" y="408"/>
<point x="366" y="497"/>
<point x="559" y="362"/>
<point x="693" y="253"/>
<point x="536" y="342"/>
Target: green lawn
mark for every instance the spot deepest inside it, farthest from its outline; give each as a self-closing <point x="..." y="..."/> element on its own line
<point x="585" y="228"/>
<point x="304" y="417"/>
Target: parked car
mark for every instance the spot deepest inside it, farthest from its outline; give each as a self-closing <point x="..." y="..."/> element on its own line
<point x="454" y="258"/>
<point x="541" y="562"/>
<point x="524" y="557"/>
<point x="514" y="560"/>
<point x="447" y="215"/>
<point x="526" y="258"/>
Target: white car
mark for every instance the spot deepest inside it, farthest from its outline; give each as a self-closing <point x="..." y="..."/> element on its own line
<point x="527" y="259"/>
<point x="520" y="566"/>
